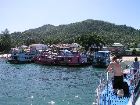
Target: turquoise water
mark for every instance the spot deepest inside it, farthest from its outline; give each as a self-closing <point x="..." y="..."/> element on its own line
<point x="33" y="84"/>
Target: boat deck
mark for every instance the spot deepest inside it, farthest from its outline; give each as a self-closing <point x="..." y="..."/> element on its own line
<point x="138" y="101"/>
<point x="109" y="97"/>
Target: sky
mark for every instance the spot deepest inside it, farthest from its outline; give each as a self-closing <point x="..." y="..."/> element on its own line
<point x="21" y="15"/>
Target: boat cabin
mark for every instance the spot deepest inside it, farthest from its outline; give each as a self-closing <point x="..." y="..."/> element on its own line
<point x="101" y="58"/>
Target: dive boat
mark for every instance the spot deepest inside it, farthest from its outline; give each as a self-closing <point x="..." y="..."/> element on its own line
<point x="20" y="56"/>
<point x="107" y="96"/>
<point x="101" y="58"/>
<point x="72" y="60"/>
<point x="45" y="58"/>
<point x="62" y="58"/>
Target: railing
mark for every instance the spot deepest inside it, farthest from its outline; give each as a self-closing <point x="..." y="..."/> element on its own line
<point x="103" y="83"/>
<point x="135" y="83"/>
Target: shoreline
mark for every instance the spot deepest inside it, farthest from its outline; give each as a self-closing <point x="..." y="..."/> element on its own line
<point x="130" y="58"/>
<point x="4" y="55"/>
<point x="124" y="58"/>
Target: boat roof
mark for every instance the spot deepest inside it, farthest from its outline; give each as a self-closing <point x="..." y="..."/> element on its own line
<point x="104" y="51"/>
<point x="117" y="45"/>
<point x="65" y="56"/>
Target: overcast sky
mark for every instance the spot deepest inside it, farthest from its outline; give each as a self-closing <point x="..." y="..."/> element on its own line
<point x="20" y="15"/>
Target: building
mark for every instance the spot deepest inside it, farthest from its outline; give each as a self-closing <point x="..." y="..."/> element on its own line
<point x="117" y="48"/>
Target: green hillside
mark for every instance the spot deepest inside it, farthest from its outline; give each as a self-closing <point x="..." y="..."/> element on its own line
<point x="82" y="32"/>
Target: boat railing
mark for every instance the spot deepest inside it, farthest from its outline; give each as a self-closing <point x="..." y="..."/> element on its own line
<point x="104" y="80"/>
<point x="136" y="84"/>
<point x="136" y="78"/>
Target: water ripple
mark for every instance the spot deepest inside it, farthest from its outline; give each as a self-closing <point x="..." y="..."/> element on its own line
<point x="32" y="84"/>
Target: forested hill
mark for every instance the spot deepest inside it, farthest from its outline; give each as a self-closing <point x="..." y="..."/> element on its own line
<point x="104" y="31"/>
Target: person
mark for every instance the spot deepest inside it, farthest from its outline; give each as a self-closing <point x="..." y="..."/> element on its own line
<point x="135" y="65"/>
<point x="115" y="67"/>
<point x="135" y="70"/>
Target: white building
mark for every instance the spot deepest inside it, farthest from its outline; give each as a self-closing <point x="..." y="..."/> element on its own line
<point x="38" y="47"/>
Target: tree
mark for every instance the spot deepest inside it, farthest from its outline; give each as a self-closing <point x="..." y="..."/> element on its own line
<point x="29" y="41"/>
<point x="90" y="39"/>
<point x="5" y="43"/>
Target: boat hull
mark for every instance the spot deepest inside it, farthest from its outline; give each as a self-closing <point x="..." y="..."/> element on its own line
<point x="19" y="62"/>
<point x="100" y="65"/>
<point x="63" y="64"/>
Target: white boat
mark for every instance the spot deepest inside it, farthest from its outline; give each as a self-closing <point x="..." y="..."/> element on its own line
<point x="101" y="59"/>
<point x="107" y="96"/>
<point x="21" y="56"/>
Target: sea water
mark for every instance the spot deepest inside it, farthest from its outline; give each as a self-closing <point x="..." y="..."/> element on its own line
<point x="33" y="84"/>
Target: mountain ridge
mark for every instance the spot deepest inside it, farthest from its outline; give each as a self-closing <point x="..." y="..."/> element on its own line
<point x="87" y="20"/>
<point x="67" y="33"/>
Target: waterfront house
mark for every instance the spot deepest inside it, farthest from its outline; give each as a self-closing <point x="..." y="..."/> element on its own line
<point x="117" y="48"/>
